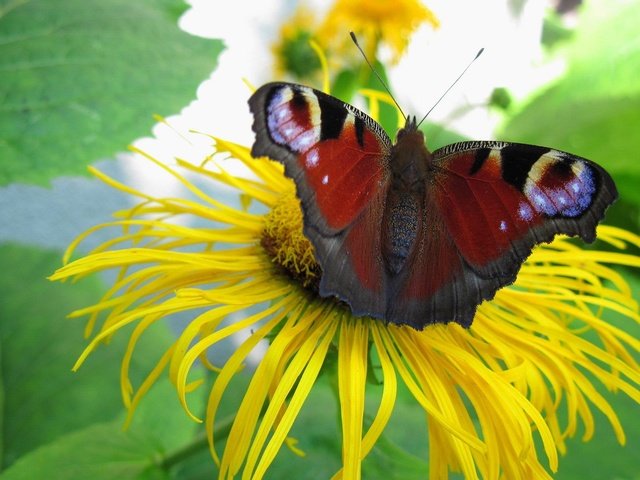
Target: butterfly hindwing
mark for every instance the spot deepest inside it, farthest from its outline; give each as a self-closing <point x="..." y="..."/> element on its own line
<point x="352" y="264"/>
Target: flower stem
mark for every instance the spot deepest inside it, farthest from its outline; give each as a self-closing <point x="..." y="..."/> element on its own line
<point x="198" y="444"/>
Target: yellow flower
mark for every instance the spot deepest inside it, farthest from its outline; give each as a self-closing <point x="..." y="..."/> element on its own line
<point x="523" y="375"/>
<point x="374" y="22"/>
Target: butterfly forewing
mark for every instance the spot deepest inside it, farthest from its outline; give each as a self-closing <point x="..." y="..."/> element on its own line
<point x="331" y="151"/>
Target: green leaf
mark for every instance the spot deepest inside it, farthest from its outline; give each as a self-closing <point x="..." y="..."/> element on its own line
<point x="603" y="456"/>
<point x="80" y="79"/>
<point x="438" y="136"/>
<point x="98" y="452"/>
<point x="161" y="415"/>
<point x="607" y="47"/>
<point x="554" y="31"/>
<point x="43" y="399"/>
<point x="298" y="57"/>
<point x="594" y="109"/>
<point x="159" y="434"/>
<point x="194" y="460"/>
<point x="316" y="430"/>
<point x="388" y="461"/>
<point x="606" y="458"/>
<point x="345" y="85"/>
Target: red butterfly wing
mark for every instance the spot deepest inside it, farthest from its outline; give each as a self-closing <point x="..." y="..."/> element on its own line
<point x="500" y="199"/>
<point x="487" y="204"/>
<point x="338" y="159"/>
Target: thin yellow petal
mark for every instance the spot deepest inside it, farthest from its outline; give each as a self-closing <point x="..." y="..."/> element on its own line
<point x="305" y="383"/>
<point x="232" y="366"/>
<point x="240" y="437"/>
<point x="352" y="377"/>
<point x="191" y="355"/>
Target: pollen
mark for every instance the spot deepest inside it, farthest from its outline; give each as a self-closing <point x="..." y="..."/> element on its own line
<point x="284" y="241"/>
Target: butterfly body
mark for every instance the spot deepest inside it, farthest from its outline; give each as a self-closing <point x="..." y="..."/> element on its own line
<point x="415" y="237"/>
<point x="409" y="166"/>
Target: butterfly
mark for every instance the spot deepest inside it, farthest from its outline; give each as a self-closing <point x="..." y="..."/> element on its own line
<point x="410" y="236"/>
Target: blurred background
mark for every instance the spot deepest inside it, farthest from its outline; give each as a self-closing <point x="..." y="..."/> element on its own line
<point x="82" y="80"/>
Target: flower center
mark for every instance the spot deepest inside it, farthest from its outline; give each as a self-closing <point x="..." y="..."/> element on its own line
<point x="285" y="243"/>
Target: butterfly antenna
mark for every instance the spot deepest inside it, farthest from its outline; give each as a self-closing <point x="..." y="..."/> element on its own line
<point x="451" y="86"/>
<point x="355" y="40"/>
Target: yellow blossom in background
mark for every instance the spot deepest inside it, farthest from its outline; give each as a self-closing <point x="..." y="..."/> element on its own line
<point x="374" y="22"/>
<point x="524" y="374"/>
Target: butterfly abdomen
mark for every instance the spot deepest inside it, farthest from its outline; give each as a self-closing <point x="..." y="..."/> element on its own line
<point x="401" y="223"/>
<point x="409" y="164"/>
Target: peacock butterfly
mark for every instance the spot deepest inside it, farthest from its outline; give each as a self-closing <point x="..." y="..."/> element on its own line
<point x="415" y="237"/>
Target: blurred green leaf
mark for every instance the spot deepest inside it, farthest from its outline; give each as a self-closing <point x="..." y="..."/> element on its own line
<point x="298" y="57"/>
<point x="98" y="452"/>
<point x="316" y="430"/>
<point x="43" y="398"/>
<point x="197" y="463"/>
<point x="603" y="458"/>
<point x="402" y="452"/>
<point x="500" y="98"/>
<point x="345" y="85"/>
<point x="161" y="416"/>
<point x="83" y="78"/>
<point x="438" y="136"/>
<point x="594" y="109"/>
<point x="388" y="461"/>
<point x="554" y="31"/>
